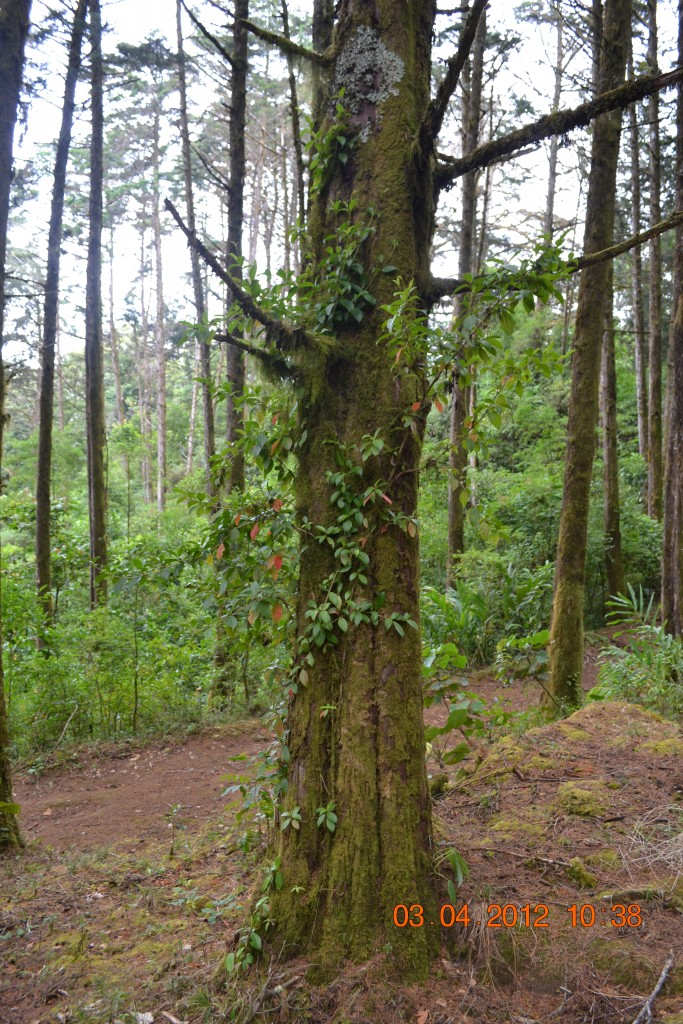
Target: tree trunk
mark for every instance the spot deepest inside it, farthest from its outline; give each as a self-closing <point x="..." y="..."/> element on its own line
<point x="14" y="21"/>
<point x="159" y="325"/>
<point x="204" y="350"/>
<point x="51" y="320"/>
<point x="614" y="565"/>
<point x="238" y="115"/>
<point x="296" y="130"/>
<point x="366" y="756"/>
<point x="672" y="551"/>
<point x="654" y="461"/>
<point x="143" y="373"/>
<point x="460" y="402"/>
<point x="94" y="379"/>
<point x="566" y="637"/>
<point x="640" y="346"/>
<point x="193" y="410"/>
<point x="548" y="219"/>
<point x="113" y="338"/>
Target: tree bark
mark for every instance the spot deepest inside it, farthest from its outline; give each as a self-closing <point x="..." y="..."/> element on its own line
<point x="460" y="401"/>
<point x="654" y="460"/>
<point x="143" y="372"/>
<point x="51" y="321"/>
<point x="238" y="115"/>
<point x="159" y="325"/>
<point x="113" y="337"/>
<point x="94" y="377"/>
<point x="614" y="564"/>
<point x="672" y="550"/>
<point x="367" y="756"/>
<point x="204" y="350"/>
<point x="296" y="129"/>
<point x="549" y="217"/>
<point x="14" y="22"/>
<point x="566" y="637"/>
<point x="640" y="347"/>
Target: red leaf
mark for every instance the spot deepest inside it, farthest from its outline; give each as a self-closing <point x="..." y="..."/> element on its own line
<point x="274" y="446"/>
<point x="415" y="406"/>
<point x="277" y="505"/>
<point x="277" y="562"/>
<point x="251" y="617"/>
<point x="384" y="529"/>
<point x="237" y="518"/>
<point x="254" y="531"/>
<point x="275" y="418"/>
<point x="388" y="500"/>
<point x="439" y="405"/>
<point x="277" y="612"/>
<point x="220" y="550"/>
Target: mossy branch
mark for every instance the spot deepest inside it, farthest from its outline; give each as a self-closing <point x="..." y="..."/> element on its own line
<point x="287" y="46"/>
<point x="209" y="35"/>
<point x="286" y="338"/>
<point x="436" y="111"/>
<point x="270" y="360"/>
<point x="555" y="124"/>
<point x="438" y="288"/>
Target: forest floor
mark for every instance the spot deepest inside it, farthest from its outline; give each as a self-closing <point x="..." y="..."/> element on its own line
<point x="127" y="897"/>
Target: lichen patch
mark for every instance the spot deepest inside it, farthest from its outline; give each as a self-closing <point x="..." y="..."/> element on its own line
<point x="369" y="74"/>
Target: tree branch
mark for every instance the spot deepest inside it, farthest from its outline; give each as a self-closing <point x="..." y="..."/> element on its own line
<point x="436" y="111"/>
<point x="556" y="124"/>
<point x="270" y="359"/>
<point x="281" y="334"/>
<point x="438" y="288"/>
<point x="209" y="35"/>
<point x="288" y="46"/>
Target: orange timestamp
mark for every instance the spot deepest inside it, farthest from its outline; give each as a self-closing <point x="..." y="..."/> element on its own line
<point x="509" y="915"/>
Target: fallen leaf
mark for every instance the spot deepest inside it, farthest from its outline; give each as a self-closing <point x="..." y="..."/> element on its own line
<point x="422" y="1017"/>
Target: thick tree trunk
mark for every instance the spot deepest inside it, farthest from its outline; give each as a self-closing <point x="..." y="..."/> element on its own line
<point x="640" y="345"/>
<point x="566" y="638"/>
<point x="238" y="116"/>
<point x="614" y="563"/>
<point x="204" y="350"/>
<point x="654" y="460"/>
<point x="366" y="756"/>
<point x="159" y="325"/>
<point x="94" y="377"/>
<point x="672" y="551"/>
<point x="460" y="401"/>
<point x="14" y="21"/>
<point x="47" y="354"/>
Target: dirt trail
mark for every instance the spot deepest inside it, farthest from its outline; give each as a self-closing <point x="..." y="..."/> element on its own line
<point x="124" y="797"/>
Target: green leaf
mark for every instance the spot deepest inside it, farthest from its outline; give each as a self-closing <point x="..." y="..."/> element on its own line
<point x="255" y="940"/>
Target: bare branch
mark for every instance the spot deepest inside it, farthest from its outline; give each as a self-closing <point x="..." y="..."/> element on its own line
<point x="281" y="334"/>
<point x="436" y="111"/>
<point x="288" y="46"/>
<point x="438" y="288"/>
<point x="209" y="35"/>
<point x="556" y="124"/>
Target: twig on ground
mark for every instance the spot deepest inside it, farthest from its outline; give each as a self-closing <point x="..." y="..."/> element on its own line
<point x="646" y="1010"/>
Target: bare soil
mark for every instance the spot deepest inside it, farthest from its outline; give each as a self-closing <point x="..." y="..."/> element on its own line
<point x="127" y="899"/>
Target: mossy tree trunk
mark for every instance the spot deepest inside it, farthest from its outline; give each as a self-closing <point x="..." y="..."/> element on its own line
<point x="367" y="755"/>
<point x="654" y="447"/>
<point x="47" y="354"/>
<point x="614" y="563"/>
<point x="14" y="21"/>
<point x="566" y="637"/>
<point x="672" y="551"/>
<point x="463" y="395"/>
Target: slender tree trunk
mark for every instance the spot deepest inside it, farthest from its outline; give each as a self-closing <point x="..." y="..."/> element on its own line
<point x="51" y="320"/>
<point x="159" y="322"/>
<point x="143" y="373"/>
<point x="113" y="336"/>
<point x="238" y="114"/>
<point x="614" y="564"/>
<point x="193" y="410"/>
<point x="204" y="350"/>
<point x="672" y="551"/>
<point x="460" y="401"/>
<point x="296" y="128"/>
<point x="14" y="21"/>
<point x="640" y="346"/>
<point x="60" y="381"/>
<point x="655" y="466"/>
<point x="94" y="378"/>
<point x="566" y="638"/>
<point x="548" y="219"/>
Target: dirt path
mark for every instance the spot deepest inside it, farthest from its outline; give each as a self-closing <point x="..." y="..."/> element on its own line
<point x="124" y="797"/>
